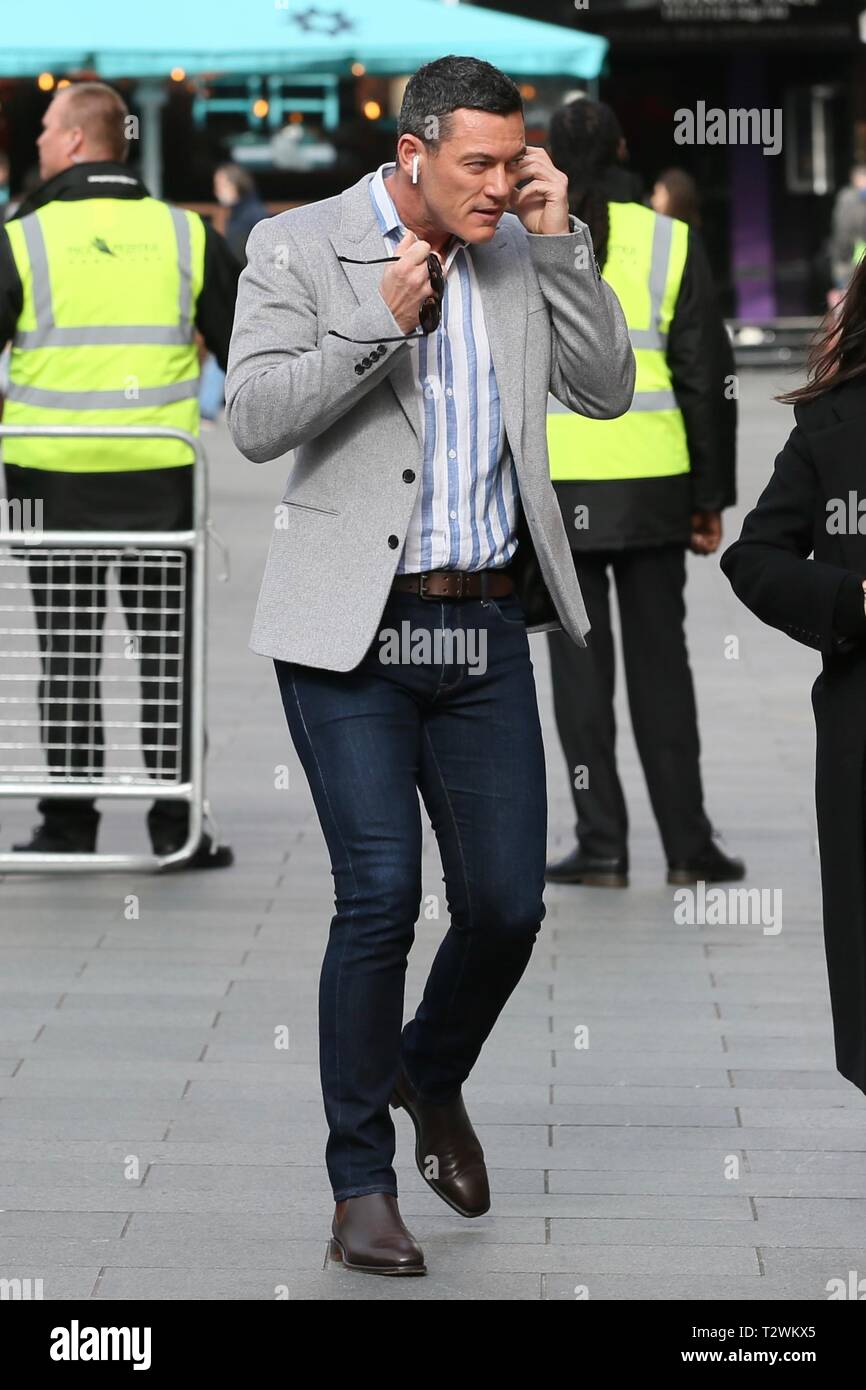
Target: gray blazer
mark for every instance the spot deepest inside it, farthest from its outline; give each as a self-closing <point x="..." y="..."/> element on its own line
<point x="354" y="424"/>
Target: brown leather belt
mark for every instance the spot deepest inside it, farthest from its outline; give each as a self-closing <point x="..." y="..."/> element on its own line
<point x="456" y="584"/>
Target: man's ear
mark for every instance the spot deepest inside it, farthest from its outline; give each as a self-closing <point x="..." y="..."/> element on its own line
<point x="76" y="143"/>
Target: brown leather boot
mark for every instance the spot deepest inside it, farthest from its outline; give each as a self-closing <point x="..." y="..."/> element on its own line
<point x="445" y="1133"/>
<point x="368" y="1234"/>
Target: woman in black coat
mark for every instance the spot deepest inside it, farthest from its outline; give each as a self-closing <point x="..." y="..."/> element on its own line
<point x="815" y="504"/>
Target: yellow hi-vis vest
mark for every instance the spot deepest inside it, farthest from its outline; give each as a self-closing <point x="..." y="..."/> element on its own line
<point x="645" y="260"/>
<point x="106" y="331"/>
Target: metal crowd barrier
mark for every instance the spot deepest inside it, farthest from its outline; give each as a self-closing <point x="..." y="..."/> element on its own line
<point x="149" y="571"/>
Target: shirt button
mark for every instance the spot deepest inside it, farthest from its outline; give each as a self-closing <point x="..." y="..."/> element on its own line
<point x="449" y="392"/>
<point x="393" y="542"/>
<point x="452" y="453"/>
<point x="453" y="516"/>
<point x="408" y="475"/>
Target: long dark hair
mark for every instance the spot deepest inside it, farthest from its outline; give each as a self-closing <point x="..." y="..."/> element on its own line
<point x="839" y="352"/>
<point x="585" y="138"/>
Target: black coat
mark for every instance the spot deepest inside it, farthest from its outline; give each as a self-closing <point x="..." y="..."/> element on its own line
<point x="819" y="602"/>
<point x="243" y="216"/>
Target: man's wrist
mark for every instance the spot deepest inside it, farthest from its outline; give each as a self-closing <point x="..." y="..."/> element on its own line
<point x="564" y="228"/>
<point x="567" y="230"/>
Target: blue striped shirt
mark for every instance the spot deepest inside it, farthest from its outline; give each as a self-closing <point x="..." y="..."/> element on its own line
<point x="466" y="513"/>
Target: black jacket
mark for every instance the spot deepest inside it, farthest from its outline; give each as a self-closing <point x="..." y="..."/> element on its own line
<point x="657" y="511"/>
<point x="216" y="303"/>
<point x="243" y="216"/>
<point x="819" y="602"/>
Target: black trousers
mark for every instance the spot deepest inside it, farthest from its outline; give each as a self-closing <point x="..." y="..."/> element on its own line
<point x="70" y="603"/>
<point x="650" y="585"/>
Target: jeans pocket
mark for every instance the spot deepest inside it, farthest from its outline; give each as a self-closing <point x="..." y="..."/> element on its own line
<point x="509" y="609"/>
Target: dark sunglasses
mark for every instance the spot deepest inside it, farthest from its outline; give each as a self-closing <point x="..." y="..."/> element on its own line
<point x="430" y="312"/>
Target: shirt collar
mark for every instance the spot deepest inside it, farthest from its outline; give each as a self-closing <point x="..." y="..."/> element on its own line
<point x="389" y="218"/>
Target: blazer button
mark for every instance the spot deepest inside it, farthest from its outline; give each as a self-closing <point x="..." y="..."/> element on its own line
<point x="408" y="475"/>
<point x="359" y="369"/>
<point x="381" y="349"/>
<point x="368" y="361"/>
<point x="393" y="542"/>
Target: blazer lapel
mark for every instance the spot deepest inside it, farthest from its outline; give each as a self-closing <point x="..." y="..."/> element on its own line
<point x="503" y="299"/>
<point x="360" y="237"/>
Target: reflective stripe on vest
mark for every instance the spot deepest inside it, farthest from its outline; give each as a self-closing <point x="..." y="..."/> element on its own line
<point x="645" y="262"/>
<point x="106" y="334"/>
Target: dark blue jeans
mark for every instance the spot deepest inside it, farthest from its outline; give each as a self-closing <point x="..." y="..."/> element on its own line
<point x="455" y="718"/>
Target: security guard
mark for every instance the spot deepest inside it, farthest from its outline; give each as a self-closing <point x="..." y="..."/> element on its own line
<point x="635" y="493"/>
<point x="101" y="290"/>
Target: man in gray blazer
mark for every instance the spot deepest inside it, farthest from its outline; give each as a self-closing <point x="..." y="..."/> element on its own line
<point x="402" y="338"/>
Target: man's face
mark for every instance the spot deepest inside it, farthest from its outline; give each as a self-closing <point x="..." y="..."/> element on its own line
<point x="58" y="142"/>
<point x="467" y="183"/>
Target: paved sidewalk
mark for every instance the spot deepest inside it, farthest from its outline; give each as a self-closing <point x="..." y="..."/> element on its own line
<point x="154" y="1143"/>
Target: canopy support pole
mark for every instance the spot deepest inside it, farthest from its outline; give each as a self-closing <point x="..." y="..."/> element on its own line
<point x="151" y="98"/>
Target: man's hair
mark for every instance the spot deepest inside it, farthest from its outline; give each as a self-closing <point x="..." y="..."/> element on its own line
<point x="449" y="84"/>
<point x="101" y="112"/>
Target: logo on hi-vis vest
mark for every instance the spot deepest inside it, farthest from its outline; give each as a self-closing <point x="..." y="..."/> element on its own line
<point x="99" y="248"/>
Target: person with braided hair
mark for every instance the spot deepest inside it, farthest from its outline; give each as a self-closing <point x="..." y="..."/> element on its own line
<point x="636" y="492"/>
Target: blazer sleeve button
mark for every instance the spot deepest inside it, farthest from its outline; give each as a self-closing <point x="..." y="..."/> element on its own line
<point x="359" y="369"/>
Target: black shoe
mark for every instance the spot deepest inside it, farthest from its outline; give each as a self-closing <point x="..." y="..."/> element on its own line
<point x="51" y="840"/>
<point x="578" y="867"/>
<point x="712" y="865"/>
<point x="207" y="855"/>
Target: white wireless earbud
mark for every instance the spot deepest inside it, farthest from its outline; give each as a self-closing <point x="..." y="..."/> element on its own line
<point x="415" y="160"/>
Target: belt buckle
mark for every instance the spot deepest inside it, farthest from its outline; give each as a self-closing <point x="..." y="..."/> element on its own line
<point x="461" y="579"/>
